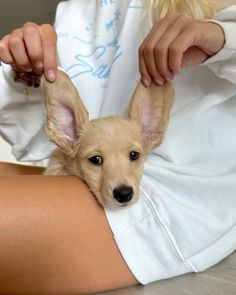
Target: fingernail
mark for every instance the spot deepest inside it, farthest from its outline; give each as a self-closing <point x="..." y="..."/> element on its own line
<point x="50" y="74"/>
<point x="158" y="81"/>
<point x="146" y="81"/>
<point x="39" y="65"/>
<point x="170" y="77"/>
<point x="28" y="70"/>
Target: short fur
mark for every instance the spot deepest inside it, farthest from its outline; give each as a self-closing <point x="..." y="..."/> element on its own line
<point x="112" y="138"/>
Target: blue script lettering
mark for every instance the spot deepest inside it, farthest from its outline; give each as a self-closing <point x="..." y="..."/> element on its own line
<point x="107" y="2"/>
<point x="83" y="66"/>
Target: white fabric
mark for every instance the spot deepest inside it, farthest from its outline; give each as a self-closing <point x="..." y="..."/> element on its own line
<point x="186" y="218"/>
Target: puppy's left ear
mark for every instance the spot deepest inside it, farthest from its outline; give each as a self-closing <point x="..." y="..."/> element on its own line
<point x="66" y="113"/>
<point x="150" y="108"/>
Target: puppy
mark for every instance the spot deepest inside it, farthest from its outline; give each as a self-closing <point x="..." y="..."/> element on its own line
<point x="107" y="153"/>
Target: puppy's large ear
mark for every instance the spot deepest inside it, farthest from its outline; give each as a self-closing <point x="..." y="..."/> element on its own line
<point x="150" y="107"/>
<point x="66" y="114"/>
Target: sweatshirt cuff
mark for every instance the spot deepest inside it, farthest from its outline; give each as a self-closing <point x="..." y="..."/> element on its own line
<point x="227" y="20"/>
<point x="8" y="76"/>
<point x="229" y="48"/>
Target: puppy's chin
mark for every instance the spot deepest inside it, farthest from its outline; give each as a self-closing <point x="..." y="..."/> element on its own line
<point x="111" y="203"/>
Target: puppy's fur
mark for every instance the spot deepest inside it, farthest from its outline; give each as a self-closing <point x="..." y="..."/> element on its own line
<point x="107" y="153"/>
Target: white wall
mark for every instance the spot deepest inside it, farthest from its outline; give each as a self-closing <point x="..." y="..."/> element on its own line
<point x="14" y="13"/>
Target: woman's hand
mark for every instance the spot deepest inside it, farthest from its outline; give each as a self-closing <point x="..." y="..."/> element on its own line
<point x="31" y="48"/>
<point x="177" y="41"/>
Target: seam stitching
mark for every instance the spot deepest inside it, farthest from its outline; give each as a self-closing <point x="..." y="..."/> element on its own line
<point x="157" y="216"/>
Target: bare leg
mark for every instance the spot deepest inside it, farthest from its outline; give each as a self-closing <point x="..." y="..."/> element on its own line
<point x="15" y="169"/>
<point x="55" y="239"/>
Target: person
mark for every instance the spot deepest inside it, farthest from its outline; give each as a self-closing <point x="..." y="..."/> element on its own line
<point x="54" y="236"/>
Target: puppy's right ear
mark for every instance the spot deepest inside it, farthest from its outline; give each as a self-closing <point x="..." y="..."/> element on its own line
<point x="66" y="114"/>
<point x="150" y="108"/>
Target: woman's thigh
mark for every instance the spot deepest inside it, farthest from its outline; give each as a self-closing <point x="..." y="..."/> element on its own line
<point x="15" y="169"/>
<point x="55" y="239"/>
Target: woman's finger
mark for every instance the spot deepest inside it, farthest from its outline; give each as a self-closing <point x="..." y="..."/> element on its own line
<point x="145" y="77"/>
<point x="179" y="46"/>
<point x="5" y="54"/>
<point x="193" y="56"/>
<point x="161" y="50"/>
<point x="147" y="54"/>
<point x="32" y="39"/>
<point x="17" y="48"/>
<point x="48" y="40"/>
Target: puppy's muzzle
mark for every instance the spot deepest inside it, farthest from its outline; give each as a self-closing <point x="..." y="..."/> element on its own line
<point x="123" y="194"/>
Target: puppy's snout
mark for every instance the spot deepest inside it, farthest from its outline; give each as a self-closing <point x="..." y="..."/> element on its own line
<point x="123" y="194"/>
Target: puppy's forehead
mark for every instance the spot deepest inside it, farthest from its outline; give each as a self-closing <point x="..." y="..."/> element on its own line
<point x="112" y="131"/>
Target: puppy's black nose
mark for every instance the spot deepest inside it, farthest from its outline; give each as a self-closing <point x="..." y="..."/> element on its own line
<point x="123" y="194"/>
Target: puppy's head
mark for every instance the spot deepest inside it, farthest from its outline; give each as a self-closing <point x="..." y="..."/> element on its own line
<point x="107" y="153"/>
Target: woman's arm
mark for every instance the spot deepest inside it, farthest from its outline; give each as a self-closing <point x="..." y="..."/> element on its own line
<point x="177" y="41"/>
<point x="30" y="48"/>
<point x="223" y="64"/>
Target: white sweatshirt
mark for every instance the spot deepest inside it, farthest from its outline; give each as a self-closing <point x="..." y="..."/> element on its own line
<point x="189" y="182"/>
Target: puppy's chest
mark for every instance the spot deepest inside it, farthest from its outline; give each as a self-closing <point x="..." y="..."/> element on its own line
<point x="59" y="164"/>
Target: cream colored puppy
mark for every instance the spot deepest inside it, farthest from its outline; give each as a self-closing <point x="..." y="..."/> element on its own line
<point x="107" y="153"/>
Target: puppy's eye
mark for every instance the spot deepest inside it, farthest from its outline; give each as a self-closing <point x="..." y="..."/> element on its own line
<point x="133" y="156"/>
<point x="96" y="160"/>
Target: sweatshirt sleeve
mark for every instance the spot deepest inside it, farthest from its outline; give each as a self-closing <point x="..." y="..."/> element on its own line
<point x="22" y="118"/>
<point x="223" y="64"/>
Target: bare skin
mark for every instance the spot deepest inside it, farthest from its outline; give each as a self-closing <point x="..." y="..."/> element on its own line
<point x="54" y="239"/>
<point x="175" y="42"/>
